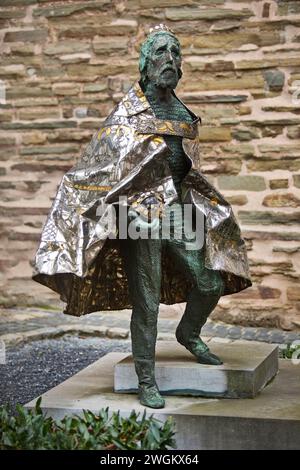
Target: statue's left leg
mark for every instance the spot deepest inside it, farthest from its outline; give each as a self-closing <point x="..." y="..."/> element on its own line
<point x="197" y="310"/>
<point x="207" y="286"/>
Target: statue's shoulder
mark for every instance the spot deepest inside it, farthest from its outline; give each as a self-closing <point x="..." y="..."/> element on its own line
<point x="132" y="103"/>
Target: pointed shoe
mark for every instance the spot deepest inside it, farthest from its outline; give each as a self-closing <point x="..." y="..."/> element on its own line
<point x="201" y="351"/>
<point x="150" y="396"/>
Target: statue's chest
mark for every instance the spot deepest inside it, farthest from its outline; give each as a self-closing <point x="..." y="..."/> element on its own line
<point x="175" y="111"/>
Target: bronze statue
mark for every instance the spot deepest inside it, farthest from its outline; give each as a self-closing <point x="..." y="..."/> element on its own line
<point x="144" y="159"/>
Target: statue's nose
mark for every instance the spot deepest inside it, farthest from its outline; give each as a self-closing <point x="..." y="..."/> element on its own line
<point x="170" y="57"/>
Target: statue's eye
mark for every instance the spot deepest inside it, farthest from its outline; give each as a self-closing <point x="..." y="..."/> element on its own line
<point x="160" y="51"/>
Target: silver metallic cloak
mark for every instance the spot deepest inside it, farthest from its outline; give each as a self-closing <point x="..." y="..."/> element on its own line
<point x="127" y="156"/>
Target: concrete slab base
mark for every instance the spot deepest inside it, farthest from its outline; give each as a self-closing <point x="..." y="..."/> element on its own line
<point x="271" y="420"/>
<point x="247" y="368"/>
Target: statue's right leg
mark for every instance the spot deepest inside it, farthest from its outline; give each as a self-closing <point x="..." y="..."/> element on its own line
<point x="142" y="262"/>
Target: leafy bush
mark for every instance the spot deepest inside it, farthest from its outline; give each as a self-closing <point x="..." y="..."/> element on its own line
<point x="32" y="429"/>
<point x="292" y="350"/>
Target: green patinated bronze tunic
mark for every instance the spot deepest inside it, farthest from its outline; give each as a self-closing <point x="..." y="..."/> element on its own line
<point x="190" y="262"/>
<point x="178" y="161"/>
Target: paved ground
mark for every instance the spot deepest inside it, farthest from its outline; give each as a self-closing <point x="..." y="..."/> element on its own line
<point x="28" y="324"/>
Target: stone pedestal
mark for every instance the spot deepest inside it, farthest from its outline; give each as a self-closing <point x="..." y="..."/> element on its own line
<point x="269" y="421"/>
<point x="247" y="368"/>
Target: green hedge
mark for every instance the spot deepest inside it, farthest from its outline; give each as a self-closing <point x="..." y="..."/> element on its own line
<point x="32" y="429"/>
<point x="291" y="351"/>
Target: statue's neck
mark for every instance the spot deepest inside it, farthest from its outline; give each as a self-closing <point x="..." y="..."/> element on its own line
<point x="158" y="95"/>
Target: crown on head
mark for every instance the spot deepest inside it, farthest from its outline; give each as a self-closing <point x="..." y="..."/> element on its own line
<point x="160" y="28"/>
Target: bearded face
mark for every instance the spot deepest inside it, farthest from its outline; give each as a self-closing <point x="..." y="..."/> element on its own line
<point x="164" y="62"/>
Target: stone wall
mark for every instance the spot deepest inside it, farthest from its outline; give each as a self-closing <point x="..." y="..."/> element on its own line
<point x="66" y="63"/>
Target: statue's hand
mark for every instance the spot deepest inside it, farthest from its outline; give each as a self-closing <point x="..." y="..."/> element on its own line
<point x="132" y="214"/>
<point x="146" y="210"/>
<point x="142" y="221"/>
<point x="150" y="201"/>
